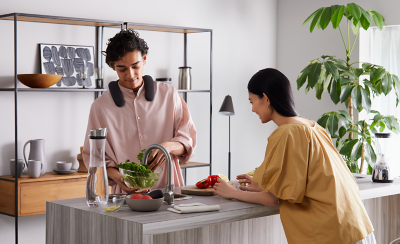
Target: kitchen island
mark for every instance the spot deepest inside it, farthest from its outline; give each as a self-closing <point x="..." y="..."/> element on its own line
<point x="72" y="221"/>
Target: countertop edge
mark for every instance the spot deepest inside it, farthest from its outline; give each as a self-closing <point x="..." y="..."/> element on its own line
<point x="207" y="220"/>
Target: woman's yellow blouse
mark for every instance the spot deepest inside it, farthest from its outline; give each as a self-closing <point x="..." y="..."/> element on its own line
<point x="319" y="199"/>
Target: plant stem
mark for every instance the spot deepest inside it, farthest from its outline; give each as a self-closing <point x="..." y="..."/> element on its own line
<point x="348" y="35"/>
<point x="363" y="150"/>
<point x="350" y="102"/>
<point x="351" y="116"/>
<point x="344" y="43"/>
<point x="354" y="41"/>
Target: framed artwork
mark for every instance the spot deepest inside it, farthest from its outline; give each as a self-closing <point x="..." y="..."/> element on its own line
<point x="68" y="61"/>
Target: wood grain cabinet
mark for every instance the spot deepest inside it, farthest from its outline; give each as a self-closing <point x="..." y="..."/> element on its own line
<point x="34" y="192"/>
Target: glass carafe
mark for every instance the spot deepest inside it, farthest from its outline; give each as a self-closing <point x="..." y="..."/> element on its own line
<point x="382" y="172"/>
<point x="97" y="181"/>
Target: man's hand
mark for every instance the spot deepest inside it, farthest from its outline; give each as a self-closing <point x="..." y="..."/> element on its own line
<point x="115" y="175"/>
<point x="174" y="148"/>
<point x="244" y="178"/>
<point x="159" y="157"/>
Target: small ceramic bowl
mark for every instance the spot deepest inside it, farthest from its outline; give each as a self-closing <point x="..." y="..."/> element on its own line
<point x="111" y="204"/>
<point x="64" y="166"/>
<point x="144" y="205"/>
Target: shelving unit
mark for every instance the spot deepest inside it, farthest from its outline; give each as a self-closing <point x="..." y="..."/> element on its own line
<point x="99" y="25"/>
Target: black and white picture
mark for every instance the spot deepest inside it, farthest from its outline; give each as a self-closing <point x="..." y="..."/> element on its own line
<point x="68" y="60"/>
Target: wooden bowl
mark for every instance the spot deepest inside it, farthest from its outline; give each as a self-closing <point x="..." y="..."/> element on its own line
<point x="38" y="80"/>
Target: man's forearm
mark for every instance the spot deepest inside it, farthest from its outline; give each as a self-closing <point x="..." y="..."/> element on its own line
<point x="113" y="173"/>
<point x="176" y="148"/>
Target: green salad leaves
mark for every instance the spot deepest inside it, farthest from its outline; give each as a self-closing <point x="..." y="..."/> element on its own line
<point x="137" y="175"/>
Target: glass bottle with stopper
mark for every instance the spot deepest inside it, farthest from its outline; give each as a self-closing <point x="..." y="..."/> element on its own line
<point x="382" y="172"/>
<point x="97" y="180"/>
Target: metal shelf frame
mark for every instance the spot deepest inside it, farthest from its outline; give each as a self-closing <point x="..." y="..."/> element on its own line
<point x="99" y="25"/>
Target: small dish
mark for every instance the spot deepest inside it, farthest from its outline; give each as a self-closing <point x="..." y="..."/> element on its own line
<point x="111" y="204"/>
<point x="144" y="205"/>
<point x="65" y="172"/>
<point x="64" y="166"/>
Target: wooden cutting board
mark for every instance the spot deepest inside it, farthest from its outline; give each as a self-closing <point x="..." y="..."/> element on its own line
<point x="194" y="190"/>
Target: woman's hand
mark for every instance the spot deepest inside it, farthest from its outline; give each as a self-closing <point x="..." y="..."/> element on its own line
<point x="224" y="189"/>
<point x="244" y="178"/>
<point x="115" y="175"/>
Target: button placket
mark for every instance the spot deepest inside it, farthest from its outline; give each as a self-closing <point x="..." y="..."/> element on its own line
<point x="137" y="123"/>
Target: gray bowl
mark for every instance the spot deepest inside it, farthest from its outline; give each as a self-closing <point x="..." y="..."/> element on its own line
<point x="146" y="205"/>
<point x="64" y="166"/>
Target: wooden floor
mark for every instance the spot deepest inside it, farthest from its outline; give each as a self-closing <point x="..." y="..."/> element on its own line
<point x="384" y="213"/>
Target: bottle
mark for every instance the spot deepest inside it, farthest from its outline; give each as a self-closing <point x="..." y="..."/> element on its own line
<point x="97" y="180"/>
<point x="185" y="78"/>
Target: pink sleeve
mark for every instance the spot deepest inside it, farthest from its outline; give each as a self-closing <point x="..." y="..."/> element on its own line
<point x="185" y="132"/>
<point x="94" y="123"/>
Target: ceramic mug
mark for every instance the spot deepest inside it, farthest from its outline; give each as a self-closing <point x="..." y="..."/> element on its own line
<point x="34" y="168"/>
<point x="20" y="167"/>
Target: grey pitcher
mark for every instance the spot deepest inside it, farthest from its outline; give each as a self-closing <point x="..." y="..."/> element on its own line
<point x="36" y="153"/>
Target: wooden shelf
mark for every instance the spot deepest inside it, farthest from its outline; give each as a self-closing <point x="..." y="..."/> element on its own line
<point x="174" y="29"/>
<point x="193" y="90"/>
<point x="76" y="90"/>
<point x="33" y="193"/>
<point x="100" y="23"/>
<point x="46" y="177"/>
<point x="54" y="90"/>
<point x="193" y="165"/>
<point x="61" y="20"/>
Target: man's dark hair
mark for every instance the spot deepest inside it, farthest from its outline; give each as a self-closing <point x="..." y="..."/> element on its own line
<point x="277" y="88"/>
<point x="122" y="43"/>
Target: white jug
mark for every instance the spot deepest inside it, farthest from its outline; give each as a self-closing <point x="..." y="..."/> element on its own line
<point x="36" y="153"/>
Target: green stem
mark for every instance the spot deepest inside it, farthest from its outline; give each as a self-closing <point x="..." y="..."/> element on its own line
<point x="344" y="43"/>
<point x="354" y="42"/>
<point x="348" y="34"/>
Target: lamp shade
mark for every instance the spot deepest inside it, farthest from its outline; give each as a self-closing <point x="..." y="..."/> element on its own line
<point x="227" y="107"/>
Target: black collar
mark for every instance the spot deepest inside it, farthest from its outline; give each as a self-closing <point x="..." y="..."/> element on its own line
<point x="118" y="98"/>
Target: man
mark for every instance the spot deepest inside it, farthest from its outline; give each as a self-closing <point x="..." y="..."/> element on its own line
<point x="139" y="122"/>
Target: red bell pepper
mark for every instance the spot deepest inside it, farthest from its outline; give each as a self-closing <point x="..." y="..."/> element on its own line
<point x="205" y="183"/>
<point x="213" y="179"/>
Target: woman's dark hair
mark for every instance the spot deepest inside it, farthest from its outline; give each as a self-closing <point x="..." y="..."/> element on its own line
<point x="122" y="43"/>
<point x="277" y="88"/>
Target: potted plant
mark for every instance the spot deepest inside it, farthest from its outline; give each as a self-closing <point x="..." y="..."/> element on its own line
<point x="351" y="83"/>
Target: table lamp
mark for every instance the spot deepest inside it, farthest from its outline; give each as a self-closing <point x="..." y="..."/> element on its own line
<point x="227" y="110"/>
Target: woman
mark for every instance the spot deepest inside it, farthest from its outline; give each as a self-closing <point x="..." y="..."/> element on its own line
<point x="318" y="197"/>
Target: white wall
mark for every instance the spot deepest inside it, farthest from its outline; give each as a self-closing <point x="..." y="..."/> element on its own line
<point x="244" y="41"/>
<point x="297" y="46"/>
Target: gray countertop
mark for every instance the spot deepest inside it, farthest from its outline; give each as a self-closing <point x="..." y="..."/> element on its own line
<point x="163" y="221"/>
<point x="369" y="189"/>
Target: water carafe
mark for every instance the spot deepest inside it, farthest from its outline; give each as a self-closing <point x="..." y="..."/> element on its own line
<point x="97" y="181"/>
<point x="382" y="172"/>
